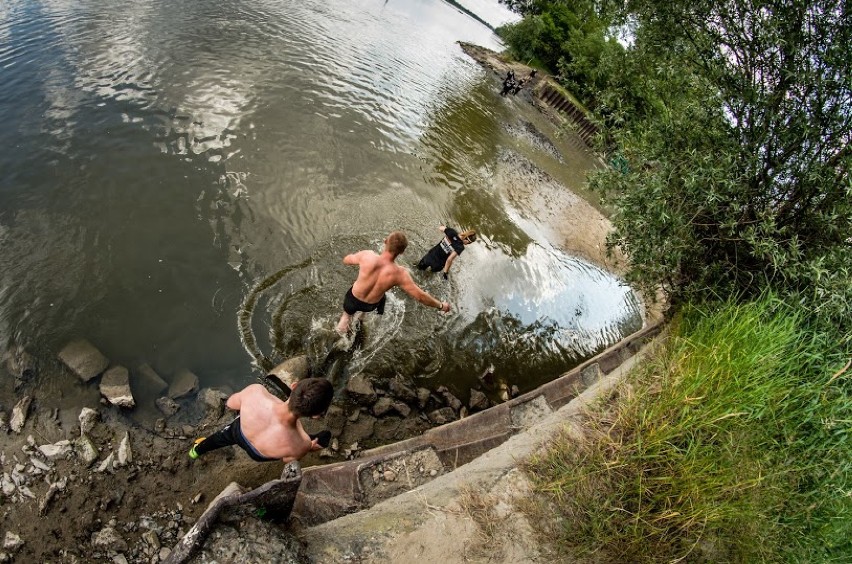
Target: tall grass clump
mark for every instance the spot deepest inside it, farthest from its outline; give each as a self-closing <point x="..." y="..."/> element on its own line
<point x="731" y="445"/>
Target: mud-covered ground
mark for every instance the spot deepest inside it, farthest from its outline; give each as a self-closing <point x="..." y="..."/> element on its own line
<point x="133" y="496"/>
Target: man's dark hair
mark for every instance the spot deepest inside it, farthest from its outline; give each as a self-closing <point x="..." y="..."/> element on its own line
<point x="311" y="396"/>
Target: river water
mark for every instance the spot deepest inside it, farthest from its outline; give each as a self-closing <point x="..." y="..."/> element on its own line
<point x="168" y="164"/>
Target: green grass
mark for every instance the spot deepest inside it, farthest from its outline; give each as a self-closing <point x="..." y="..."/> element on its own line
<point x="731" y="445"/>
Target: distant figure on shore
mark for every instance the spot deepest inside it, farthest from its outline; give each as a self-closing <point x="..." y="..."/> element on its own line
<point x="508" y="83"/>
<point x="518" y="86"/>
<point x="441" y="256"/>
<point x="267" y="428"/>
<point x="376" y="275"/>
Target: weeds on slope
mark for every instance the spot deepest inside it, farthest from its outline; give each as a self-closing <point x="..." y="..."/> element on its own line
<point x="732" y="445"/>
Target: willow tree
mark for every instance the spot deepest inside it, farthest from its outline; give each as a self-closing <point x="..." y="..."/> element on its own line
<point x="737" y="166"/>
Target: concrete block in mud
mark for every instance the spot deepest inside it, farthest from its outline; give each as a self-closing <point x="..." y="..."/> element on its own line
<point x="20" y="364"/>
<point x="19" y="414"/>
<point x="184" y="383"/>
<point x="361" y="390"/>
<point x="292" y="370"/>
<point x="83" y="359"/>
<point x="167" y="406"/>
<point x="358" y="431"/>
<point x="478" y="400"/>
<point x="149" y="381"/>
<point x="336" y="420"/>
<point x="115" y="387"/>
<point x="87" y="418"/>
<point x="402" y="390"/>
<point x="443" y="415"/>
<point x="382" y="406"/>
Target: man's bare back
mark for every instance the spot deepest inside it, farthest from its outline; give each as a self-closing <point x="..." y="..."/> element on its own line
<point x="378" y="273"/>
<point x="267" y="428"/>
<point x="268" y="424"/>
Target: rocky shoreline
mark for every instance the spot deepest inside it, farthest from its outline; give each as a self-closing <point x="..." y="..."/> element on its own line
<point x="101" y="488"/>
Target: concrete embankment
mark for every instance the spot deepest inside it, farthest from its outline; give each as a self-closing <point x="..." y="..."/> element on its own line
<point x="402" y="495"/>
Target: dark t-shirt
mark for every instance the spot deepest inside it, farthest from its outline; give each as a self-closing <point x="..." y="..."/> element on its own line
<point x="456" y="243"/>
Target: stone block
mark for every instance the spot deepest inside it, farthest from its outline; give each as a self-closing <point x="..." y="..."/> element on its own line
<point x="361" y="389"/>
<point x="83" y="359"/>
<point x="183" y="384"/>
<point x="115" y="387"/>
<point x="148" y="380"/>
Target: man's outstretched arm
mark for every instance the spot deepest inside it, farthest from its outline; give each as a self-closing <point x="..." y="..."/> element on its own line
<point x="409" y="287"/>
<point x="354" y="258"/>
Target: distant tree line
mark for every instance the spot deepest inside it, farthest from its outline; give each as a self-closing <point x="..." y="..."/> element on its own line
<point x="728" y="128"/>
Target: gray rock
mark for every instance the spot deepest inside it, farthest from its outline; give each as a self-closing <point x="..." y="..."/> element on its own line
<point x="19" y="414"/>
<point x="88" y="417"/>
<point x="443" y="415"/>
<point x="335" y="419"/>
<point x="478" y="400"/>
<point x="361" y="390"/>
<point x="83" y="359"/>
<point x="62" y="449"/>
<point x="401" y="408"/>
<point x="7" y="484"/>
<point x="359" y="430"/>
<point x="38" y="464"/>
<point x="12" y="542"/>
<point x="403" y="391"/>
<point x="167" y="406"/>
<point x="4" y="422"/>
<point x="423" y="396"/>
<point x="292" y="370"/>
<point x="382" y="406"/>
<point x="108" y="539"/>
<point x="125" y="455"/>
<point x="451" y="400"/>
<point x="20" y="364"/>
<point x="183" y="384"/>
<point x="107" y="464"/>
<point x="115" y="387"/>
<point x="86" y="450"/>
<point x="151" y="539"/>
<point x="213" y="400"/>
<point x="149" y="380"/>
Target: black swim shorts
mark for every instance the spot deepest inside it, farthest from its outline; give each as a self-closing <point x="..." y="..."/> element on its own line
<point x="351" y="304"/>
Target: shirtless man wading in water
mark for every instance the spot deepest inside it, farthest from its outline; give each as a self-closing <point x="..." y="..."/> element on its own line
<point x="376" y="275"/>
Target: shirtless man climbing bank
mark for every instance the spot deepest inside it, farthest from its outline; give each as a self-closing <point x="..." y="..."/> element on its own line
<point x="376" y="275"/>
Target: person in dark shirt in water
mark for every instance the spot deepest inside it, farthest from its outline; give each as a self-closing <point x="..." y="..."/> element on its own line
<point x="441" y="256"/>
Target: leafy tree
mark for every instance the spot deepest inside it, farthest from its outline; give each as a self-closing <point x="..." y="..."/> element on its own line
<point x="740" y="177"/>
<point x="568" y="36"/>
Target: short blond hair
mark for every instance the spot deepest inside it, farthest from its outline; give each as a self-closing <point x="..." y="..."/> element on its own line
<point x="396" y="243"/>
<point x="469" y="233"/>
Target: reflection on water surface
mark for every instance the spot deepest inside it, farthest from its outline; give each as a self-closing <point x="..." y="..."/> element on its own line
<point x="162" y="159"/>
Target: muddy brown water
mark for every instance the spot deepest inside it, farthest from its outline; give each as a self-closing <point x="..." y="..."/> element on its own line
<point x="166" y="163"/>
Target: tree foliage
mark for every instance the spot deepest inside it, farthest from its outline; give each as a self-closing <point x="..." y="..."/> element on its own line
<point x="567" y="37"/>
<point x="732" y="123"/>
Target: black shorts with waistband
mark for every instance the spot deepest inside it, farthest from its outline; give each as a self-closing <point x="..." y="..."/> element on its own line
<point x="351" y="304"/>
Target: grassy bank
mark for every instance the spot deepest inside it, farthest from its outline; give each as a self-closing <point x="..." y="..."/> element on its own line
<point x="732" y="445"/>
